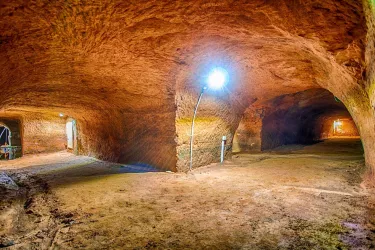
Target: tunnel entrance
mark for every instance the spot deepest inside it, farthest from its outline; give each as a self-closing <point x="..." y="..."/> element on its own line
<point x="10" y="139"/>
<point x="304" y="118"/>
<point x="71" y="134"/>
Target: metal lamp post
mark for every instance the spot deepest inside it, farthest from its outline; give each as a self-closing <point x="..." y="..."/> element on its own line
<point x="216" y="80"/>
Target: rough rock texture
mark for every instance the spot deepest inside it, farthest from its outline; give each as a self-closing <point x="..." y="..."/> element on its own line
<point x="130" y="138"/>
<point x="248" y="133"/>
<point x="365" y="112"/>
<point x="130" y="72"/>
<point x="43" y="133"/>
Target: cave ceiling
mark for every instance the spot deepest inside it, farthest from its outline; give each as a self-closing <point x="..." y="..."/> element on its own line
<point x="84" y="56"/>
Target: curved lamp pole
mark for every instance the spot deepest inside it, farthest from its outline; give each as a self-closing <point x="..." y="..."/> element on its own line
<point x="216" y="80"/>
<point x="192" y="127"/>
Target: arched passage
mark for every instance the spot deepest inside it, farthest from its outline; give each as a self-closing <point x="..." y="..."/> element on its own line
<point x="128" y="108"/>
<point x="302" y="118"/>
<point x="5" y="133"/>
<point x="10" y="138"/>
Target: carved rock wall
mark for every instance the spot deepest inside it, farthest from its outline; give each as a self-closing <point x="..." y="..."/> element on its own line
<point x="43" y="133"/>
<point x="130" y="72"/>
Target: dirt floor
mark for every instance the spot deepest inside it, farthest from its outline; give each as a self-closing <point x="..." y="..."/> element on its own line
<point x="294" y="197"/>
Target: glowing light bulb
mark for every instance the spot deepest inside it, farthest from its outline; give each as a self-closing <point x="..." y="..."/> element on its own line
<point x="217" y="78"/>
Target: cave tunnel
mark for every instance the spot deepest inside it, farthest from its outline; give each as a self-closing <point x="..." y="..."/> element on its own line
<point x="305" y="117"/>
<point x="236" y="105"/>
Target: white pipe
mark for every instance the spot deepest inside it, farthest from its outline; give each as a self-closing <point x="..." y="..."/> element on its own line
<point x="222" y="148"/>
<point x="192" y="129"/>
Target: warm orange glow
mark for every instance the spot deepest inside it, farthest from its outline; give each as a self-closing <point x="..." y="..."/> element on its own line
<point x="343" y="127"/>
<point x="338" y="127"/>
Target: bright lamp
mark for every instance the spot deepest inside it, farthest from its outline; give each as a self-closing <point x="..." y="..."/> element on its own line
<point x="217" y="78"/>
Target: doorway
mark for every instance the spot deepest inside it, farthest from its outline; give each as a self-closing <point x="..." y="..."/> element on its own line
<point x="71" y="134"/>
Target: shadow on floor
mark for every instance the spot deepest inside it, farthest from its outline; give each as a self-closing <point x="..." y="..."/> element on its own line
<point x="138" y="168"/>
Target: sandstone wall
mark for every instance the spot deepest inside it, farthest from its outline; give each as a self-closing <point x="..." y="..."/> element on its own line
<point x="369" y="117"/>
<point x="248" y="133"/>
<point x="278" y="130"/>
<point x="361" y="101"/>
<point x="128" y="72"/>
<point x="214" y="120"/>
<point x="133" y="138"/>
<point x="43" y="133"/>
<point x="219" y="111"/>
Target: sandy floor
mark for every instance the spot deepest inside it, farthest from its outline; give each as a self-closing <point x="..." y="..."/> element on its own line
<point x="294" y="197"/>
